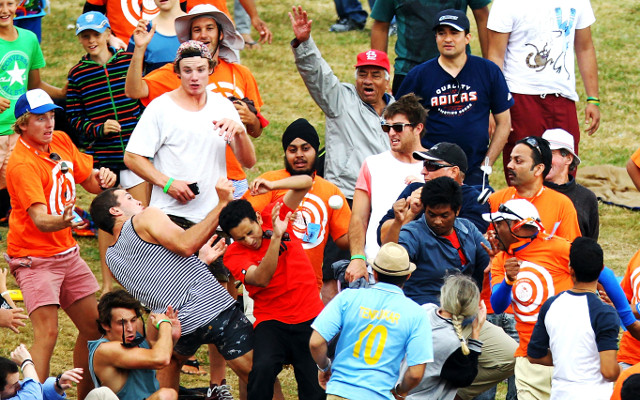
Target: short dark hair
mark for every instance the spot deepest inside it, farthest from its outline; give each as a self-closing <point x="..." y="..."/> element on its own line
<point x="441" y="191"/>
<point x="233" y="214"/>
<point x="631" y="388"/>
<point x="100" y="207"/>
<point x="586" y="259"/>
<point x="574" y="161"/>
<point x="392" y="280"/>
<point x="540" y="154"/>
<point x="118" y="298"/>
<point x="6" y="367"/>
<point x="409" y="106"/>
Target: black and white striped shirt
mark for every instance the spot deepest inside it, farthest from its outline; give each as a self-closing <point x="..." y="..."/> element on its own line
<point x="158" y="278"/>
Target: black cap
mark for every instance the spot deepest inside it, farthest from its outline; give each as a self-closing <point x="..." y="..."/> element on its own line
<point x="448" y="152"/>
<point x="301" y="128"/>
<point x="454" y="18"/>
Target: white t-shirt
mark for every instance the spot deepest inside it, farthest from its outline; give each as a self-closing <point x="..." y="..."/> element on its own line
<point x="540" y="53"/>
<point x="184" y="145"/>
<point x="383" y="176"/>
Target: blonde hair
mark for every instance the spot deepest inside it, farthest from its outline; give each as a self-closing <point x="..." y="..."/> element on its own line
<point x="21" y="120"/>
<point x="460" y="297"/>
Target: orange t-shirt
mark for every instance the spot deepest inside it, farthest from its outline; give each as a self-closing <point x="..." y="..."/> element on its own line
<point x="635" y="369"/>
<point x="629" y="347"/>
<point x="313" y="209"/>
<point x="554" y="208"/>
<point x="635" y="157"/>
<point x="544" y="272"/>
<point x="124" y="15"/>
<point x="228" y="79"/>
<point x="32" y="177"/>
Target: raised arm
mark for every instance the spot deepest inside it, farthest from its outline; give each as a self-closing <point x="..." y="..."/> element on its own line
<point x="297" y="186"/>
<point x="135" y="87"/>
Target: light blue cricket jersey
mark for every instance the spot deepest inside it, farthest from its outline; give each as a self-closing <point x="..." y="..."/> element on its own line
<point x="378" y="326"/>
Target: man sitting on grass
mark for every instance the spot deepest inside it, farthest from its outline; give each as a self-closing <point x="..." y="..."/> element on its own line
<point x="577" y="333"/>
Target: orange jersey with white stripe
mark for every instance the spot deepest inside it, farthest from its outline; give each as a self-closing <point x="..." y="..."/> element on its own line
<point x="629" y="347"/>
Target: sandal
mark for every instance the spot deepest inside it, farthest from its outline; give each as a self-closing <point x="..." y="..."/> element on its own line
<point x="249" y="42"/>
<point x="193" y="367"/>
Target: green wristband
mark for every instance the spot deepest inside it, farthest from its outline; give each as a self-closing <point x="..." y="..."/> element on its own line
<point x="359" y="256"/>
<point x="161" y="321"/>
<point x="168" y="185"/>
<point x="596" y="99"/>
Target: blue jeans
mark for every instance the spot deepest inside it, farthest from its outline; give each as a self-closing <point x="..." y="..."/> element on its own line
<point x="242" y="19"/>
<point x="508" y="324"/>
<point x="352" y="9"/>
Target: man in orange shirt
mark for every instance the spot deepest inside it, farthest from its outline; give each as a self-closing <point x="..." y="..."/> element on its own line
<point x="629" y="353"/>
<point x="529" y="164"/>
<point x="43" y="256"/>
<point x="316" y="218"/>
<point x="207" y="24"/>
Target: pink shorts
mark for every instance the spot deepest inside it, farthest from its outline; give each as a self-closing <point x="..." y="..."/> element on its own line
<point x="61" y="280"/>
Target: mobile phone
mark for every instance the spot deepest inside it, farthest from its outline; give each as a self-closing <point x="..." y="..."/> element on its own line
<point x="77" y="218"/>
<point x="194" y="188"/>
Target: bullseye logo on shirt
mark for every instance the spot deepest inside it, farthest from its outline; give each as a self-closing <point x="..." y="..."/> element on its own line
<point x="312" y="210"/>
<point x="133" y="13"/>
<point x="635" y="285"/>
<point x="454" y="99"/>
<point x="534" y="285"/>
<point x="63" y="190"/>
<point x="226" y="89"/>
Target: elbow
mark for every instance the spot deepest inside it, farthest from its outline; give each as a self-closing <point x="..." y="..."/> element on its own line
<point x="308" y="182"/>
<point x="129" y="160"/>
<point x="610" y="372"/>
<point x="161" y="361"/>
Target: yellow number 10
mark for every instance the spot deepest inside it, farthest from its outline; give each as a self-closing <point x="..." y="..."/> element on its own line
<point x="373" y="332"/>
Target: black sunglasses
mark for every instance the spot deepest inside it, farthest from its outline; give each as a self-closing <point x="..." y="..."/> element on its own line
<point x="506" y="210"/>
<point x="139" y="339"/>
<point x="432" y="166"/>
<point x="396" y="127"/>
<point x="64" y="168"/>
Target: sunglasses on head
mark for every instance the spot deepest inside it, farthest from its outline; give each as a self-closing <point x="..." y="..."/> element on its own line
<point x="523" y="221"/>
<point x="139" y="339"/>
<point x="432" y="166"/>
<point x="396" y="127"/>
<point x="532" y="142"/>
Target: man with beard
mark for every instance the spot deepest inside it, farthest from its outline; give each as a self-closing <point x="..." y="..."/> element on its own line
<point x="316" y="220"/>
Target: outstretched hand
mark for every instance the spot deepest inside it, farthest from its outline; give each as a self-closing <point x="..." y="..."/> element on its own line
<point x="300" y="23"/>
<point x="67" y="378"/>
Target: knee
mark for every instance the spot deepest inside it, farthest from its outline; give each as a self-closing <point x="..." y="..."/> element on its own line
<point x="167" y="394"/>
<point x="46" y="334"/>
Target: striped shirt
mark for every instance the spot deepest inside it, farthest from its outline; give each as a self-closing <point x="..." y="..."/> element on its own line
<point x="159" y="278"/>
<point x="96" y="94"/>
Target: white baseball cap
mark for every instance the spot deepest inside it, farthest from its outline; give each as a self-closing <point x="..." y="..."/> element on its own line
<point x="560" y="139"/>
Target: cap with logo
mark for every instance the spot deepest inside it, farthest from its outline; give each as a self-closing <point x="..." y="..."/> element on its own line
<point x="560" y="139"/>
<point x="35" y="101"/>
<point x="393" y="260"/>
<point x="375" y="58"/>
<point x="516" y="210"/>
<point x="454" y="18"/>
<point x="444" y="151"/>
<point x="93" y="20"/>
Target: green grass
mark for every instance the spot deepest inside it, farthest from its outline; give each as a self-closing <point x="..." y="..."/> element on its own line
<point x="286" y="98"/>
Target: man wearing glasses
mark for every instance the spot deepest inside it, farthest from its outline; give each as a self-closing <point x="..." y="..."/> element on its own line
<point x="529" y="164"/>
<point x="442" y="159"/>
<point x="381" y="177"/>
<point x="460" y="91"/>
<point x="122" y="359"/>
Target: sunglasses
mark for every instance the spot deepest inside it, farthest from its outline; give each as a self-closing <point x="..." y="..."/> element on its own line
<point x="396" y="127"/>
<point x="523" y="221"/>
<point x="432" y="166"/>
<point x="64" y="168"/>
<point x="532" y="142"/>
<point x="138" y="340"/>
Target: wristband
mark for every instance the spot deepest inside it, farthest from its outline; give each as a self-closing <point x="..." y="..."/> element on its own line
<point x="26" y="361"/>
<point x="359" y="257"/>
<point x="161" y="321"/>
<point x="325" y="369"/>
<point x="508" y="282"/>
<point x="3" y="293"/>
<point x="395" y="392"/>
<point x="593" y="100"/>
<point x="168" y="185"/>
<point x="58" y="382"/>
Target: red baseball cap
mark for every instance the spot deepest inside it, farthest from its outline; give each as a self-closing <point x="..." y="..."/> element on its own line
<point x="376" y="58"/>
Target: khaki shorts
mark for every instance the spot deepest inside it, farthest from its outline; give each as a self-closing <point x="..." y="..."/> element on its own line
<point x="533" y="381"/>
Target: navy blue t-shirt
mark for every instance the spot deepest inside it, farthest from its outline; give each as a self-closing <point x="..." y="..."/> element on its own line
<point x="459" y="107"/>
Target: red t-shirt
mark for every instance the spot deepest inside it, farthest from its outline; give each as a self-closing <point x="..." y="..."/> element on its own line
<point x="292" y="296"/>
<point x="32" y="177"/>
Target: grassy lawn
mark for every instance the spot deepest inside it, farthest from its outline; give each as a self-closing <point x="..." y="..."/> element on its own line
<point x="286" y="99"/>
